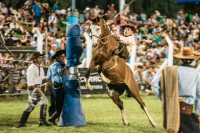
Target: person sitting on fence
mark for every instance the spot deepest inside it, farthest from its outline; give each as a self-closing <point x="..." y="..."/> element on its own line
<point x="2" y="87"/>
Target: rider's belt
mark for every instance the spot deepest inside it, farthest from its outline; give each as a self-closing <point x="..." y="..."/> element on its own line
<point x="58" y="85"/>
<point x="185" y="108"/>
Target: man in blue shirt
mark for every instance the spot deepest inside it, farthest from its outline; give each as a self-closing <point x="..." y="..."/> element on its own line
<point x="55" y="6"/>
<point x="36" y="12"/>
<point x="189" y="87"/>
<point x="56" y="78"/>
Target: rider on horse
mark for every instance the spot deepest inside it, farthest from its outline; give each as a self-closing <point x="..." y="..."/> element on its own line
<point x="127" y="38"/>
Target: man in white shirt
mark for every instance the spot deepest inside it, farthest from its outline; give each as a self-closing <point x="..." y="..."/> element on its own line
<point x="34" y="43"/>
<point x="96" y="11"/>
<point x="35" y="76"/>
<point x="53" y="19"/>
<point x="4" y="9"/>
<point x="14" y="25"/>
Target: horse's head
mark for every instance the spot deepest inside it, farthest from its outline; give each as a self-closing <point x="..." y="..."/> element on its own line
<point x="98" y="27"/>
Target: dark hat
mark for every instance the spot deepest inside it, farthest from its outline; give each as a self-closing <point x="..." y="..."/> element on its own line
<point x="140" y="67"/>
<point x="35" y="55"/>
<point x="129" y="26"/>
<point x="58" y="53"/>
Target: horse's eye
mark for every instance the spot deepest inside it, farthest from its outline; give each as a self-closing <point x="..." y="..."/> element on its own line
<point x="98" y="29"/>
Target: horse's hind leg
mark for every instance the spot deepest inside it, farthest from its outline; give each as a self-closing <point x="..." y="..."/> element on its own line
<point x="114" y="95"/>
<point x="136" y="95"/>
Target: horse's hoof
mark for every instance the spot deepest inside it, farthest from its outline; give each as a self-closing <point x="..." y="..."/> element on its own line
<point x="126" y="123"/>
<point x="89" y="87"/>
<point x="154" y="124"/>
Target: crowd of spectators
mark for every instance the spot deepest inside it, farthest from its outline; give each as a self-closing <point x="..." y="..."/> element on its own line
<point x="152" y="48"/>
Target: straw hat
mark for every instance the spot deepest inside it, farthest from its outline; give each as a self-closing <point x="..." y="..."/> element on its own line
<point x="35" y="55"/>
<point x="187" y="53"/>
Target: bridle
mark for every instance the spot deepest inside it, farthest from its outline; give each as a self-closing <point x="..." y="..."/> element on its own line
<point x="100" y="37"/>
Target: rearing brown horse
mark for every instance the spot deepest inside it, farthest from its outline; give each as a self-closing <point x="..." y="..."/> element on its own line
<point x="115" y="72"/>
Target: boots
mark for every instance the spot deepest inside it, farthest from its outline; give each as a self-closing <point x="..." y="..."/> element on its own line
<point x="43" y="111"/>
<point x="24" y="118"/>
<point x="53" y="118"/>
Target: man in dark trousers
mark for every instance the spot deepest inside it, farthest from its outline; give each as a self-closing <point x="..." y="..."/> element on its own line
<point x="188" y="85"/>
<point x="56" y="78"/>
<point x="35" y="76"/>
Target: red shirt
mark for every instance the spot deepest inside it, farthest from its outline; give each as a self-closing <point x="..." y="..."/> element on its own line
<point x="112" y="9"/>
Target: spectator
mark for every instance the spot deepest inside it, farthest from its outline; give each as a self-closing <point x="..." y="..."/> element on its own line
<point x="1" y="15"/>
<point x="14" y="77"/>
<point x="53" y="19"/>
<point x="112" y="9"/>
<point x="2" y="87"/>
<point x="28" y="2"/>
<point x="14" y="25"/>
<point x="139" y="78"/>
<point x="196" y="18"/>
<point x="55" y="6"/>
<point x="34" y="43"/>
<point x="141" y="59"/>
<point x="148" y="77"/>
<point x="143" y="17"/>
<point x="54" y="49"/>
<point x="96" y="11"/>
<point x="189" y="42"/>
<point x="144" y="31"/>
<point x="36" y="12"/>
<point x="4" y="9"/>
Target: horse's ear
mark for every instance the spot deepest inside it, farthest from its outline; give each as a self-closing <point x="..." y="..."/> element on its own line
<point x="97" y="19"/>
<point x="90" y="19"/>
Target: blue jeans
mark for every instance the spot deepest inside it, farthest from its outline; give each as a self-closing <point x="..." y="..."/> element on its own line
<point x="58" y="95"/>
<point x="37" y="19"/>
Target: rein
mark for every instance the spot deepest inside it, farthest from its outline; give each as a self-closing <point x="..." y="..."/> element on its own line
<point x="100" y="37"/>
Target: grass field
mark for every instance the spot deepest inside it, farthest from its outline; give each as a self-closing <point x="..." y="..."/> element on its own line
<point x="102" y="116"/>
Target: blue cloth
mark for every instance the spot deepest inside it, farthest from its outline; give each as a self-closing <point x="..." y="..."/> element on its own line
<point x="74" y="47"/>
<point x="37" y="10"/>
<point x="72" y="113"/>
<point x="85" y="53"/>
<point x="58" y="95"/>
<point x="54" y="7"/>
<point x="189" y="85"/>
<point x="167" y="55"/>
<point x="53" y="73"/>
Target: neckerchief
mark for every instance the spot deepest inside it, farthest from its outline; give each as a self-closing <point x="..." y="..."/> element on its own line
<point x="38" y="67"/>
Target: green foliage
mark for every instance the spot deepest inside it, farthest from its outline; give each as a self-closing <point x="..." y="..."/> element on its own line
<point x="102" y="116"/>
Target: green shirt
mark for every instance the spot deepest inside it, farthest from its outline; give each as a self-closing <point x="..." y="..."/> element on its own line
<point x="160" y="20"/>
<point x="157" y="38"/>
<point x="145" y="31"/>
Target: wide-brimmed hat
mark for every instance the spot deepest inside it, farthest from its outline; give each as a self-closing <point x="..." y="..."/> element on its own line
<point x="157" y="32"/>
<point x="58" y="53"/>
<point x="187" y="53"/>
<point x="129" y="26"/>
<point x="35" y="55"/>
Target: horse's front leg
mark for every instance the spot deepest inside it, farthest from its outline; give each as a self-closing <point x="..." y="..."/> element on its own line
<point x="87" y="75"/>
